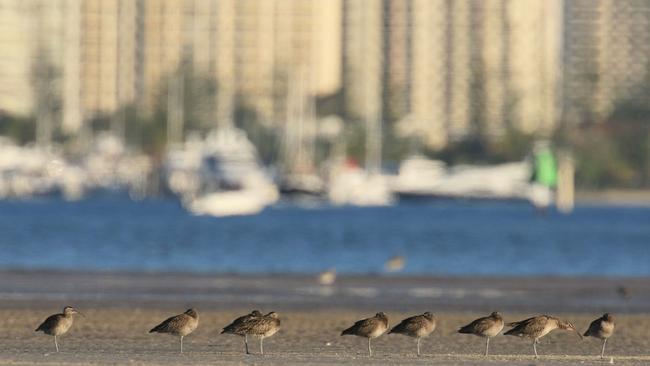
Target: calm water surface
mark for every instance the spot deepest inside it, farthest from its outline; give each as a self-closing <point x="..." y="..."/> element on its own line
<point x="445" y="238"/>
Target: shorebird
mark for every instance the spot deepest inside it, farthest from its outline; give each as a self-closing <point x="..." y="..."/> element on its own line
<point x="395" y="264"/>
<point x="488" y="327"/>
<point x="58" y="324"/>
<point x="238" y="326"/>
<point x="418" y="326"/>
<point x="179" y="325"/>
<point x="601" y="328"/>
<point x="263" y="327"/>
<point x="537" y="327"/>
<point x="328" y="277"/>
<point x="369" y="328"/>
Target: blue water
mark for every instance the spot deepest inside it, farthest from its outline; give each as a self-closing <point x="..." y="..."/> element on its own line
<point x="444" y="238"/>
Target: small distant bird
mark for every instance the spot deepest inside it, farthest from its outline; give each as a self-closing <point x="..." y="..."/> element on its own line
<point x="602" y="328"/>
<point x="238" y="326"/>
<point x="418" y="326"/>
<point x="369" y="328"/>
<point x="58" y="324"/>
<point x="262" y="326"/>
<point x="179" y="325"/>
<point x="395" y="264"/>
<point x="537" y="327"/>
<point x="488" y="327"/>
<point x="328" y="277"/>
<point x="623" y="292"/>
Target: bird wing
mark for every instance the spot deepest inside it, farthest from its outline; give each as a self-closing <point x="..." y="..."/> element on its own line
<point x="410" y="325"/>
<point x="478" y="326"/>
<point x="49" y="323"/>
<point x="170" y="325"/>
<point x="594" y="328"/>
<point x="530" y="326"/>
<point x="363" y="326"/>
<point x="238" y="325"/>
<point x="260" y="325"/>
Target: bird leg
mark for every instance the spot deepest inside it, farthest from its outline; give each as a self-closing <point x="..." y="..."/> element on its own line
<point x="181" y="344"/>
<point x="56" y="344"/>
<point x="602" y="353"/>
<point x="369" y="348"/>
<point x="246" y="343"/>
<point x="419" y="345"/>
<point x="535" y="346"/>
<point x="487" y="345"/>
<point x="262" y="345"/>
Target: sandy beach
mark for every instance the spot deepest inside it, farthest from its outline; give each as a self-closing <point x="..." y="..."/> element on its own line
<point x="121" y="308"/>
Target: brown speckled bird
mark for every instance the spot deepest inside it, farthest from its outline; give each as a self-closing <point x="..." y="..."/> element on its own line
<point x="58" y="324"/>
<point x="262" y="327"/>
<point x="179" y="325"/>
<point x="488" y="327"/>
<point x="369" y="328"/>
<point x="601" y="328"/>
<point x="537" y="327"/>
<point x="418" y="327"/>
<point x="239" y="326"/>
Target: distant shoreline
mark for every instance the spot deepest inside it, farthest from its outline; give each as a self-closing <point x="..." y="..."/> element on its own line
<point x="620" y="197"/>
<point x="35" y="289"/>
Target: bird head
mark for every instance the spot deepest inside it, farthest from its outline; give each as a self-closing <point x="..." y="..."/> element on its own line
<point x="381" y="315"/>
<point x="562" y="324"/>
<point x="69" y="310"/>
<point x="608" y="317"/>
<point x="256" y="313"/>
<point x="192" y="313"/>
<point x="496" y="315"/>
<point x="273" y="315"/>
<point x="428" y="315"/>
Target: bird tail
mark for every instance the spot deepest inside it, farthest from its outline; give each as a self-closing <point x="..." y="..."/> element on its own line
<point x="511" y="332"/>
<point x="349" y="331"/>
<point x="465" y="330"/>
<point x="155" y="329"/>
<point x="587" y="333"/>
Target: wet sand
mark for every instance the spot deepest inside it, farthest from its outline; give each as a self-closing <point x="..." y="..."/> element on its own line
<point x="121" y="308"/>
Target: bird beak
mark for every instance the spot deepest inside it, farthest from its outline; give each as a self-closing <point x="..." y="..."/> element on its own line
<point x="78" y="312"/>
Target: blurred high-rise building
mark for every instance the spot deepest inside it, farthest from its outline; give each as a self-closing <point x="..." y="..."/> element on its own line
<point x="607" y="57"/>
<point x="463" y="67"/>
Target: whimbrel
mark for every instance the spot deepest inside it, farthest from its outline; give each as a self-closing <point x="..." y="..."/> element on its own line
<point x="488" y="327"/>
<point x="238" y="326"/>
<point x="58" y="324"/>
<point x="418" y="326"/>
<point x="537" y="327"/>
<point x="179" y="325"/>
<point x="601" y="328"/>
<point x="262" y="327"/>
<point x="369" y="328"/>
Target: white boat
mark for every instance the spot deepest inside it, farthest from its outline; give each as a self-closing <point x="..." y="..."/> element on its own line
<point x="221" y="176"/>
<point x="351" y="185"/>
<point x="420" y="177"/>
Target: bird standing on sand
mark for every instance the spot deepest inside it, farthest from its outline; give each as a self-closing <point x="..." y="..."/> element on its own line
<point x="263" y="327"/>
<point x="601" y="328"/>
<point x="238" y="326"/>
<point x="488" y="327"/>
<point x="537" y="327"/>
<point x="418" y="326"/>
<point x="369" y="328"/>
<point x="179" y="325"/>
<point x="58" y="324"/>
